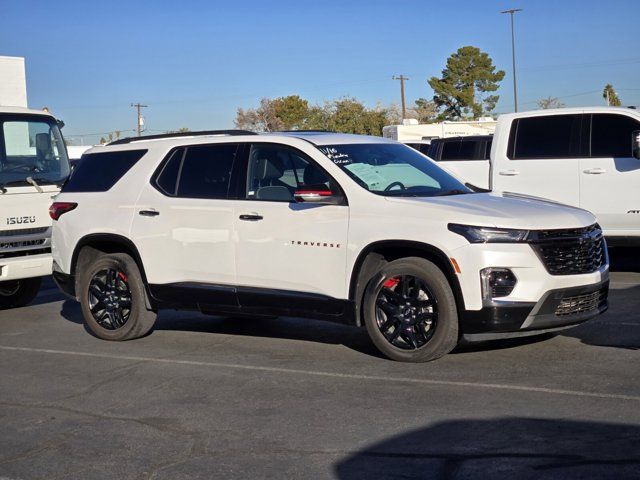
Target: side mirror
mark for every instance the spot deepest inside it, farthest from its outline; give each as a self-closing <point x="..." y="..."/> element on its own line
<point x="635" y="144"/>
<point x="317" y="196"/>
<point x="60" y="124"/>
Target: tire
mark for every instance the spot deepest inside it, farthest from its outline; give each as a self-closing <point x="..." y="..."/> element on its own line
<point x="18" y="293"/>
<point x="417" y="327"/>
<point x="120" y="313"/>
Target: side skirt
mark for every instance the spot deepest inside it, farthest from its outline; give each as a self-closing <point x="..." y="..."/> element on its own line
<point x="226" y="299"/>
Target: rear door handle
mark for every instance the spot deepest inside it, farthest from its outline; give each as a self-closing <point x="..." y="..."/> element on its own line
<point x="595" y="171"/>
<point x="253" y="217"/>
<point x="509" y="173"/>
<point x="149" y="213"/>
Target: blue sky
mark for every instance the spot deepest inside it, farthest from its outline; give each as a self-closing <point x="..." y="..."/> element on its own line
<point x="195" y="62"/>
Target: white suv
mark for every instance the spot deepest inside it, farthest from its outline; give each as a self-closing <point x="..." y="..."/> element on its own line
<point x="357" y="229"/>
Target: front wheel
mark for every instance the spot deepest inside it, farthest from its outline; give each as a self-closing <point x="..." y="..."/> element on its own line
<point x="410" y="311"/>
<point x="112" y="296"/>
<point x="18" y="293"/>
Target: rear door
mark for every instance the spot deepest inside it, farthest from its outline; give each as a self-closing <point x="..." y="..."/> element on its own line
<point x="610" y="175"/>
<point x="183" y="226"/>
<point x="542" y="158"/>
<point x="468" y="159"/>
<point x="288" y="250"/>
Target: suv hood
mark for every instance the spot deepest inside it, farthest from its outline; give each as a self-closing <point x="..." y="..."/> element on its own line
<point x="504" y="210"/>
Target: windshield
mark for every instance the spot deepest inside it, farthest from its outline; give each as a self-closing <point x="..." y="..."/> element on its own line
<point x="31" y="146"/>
<point x="393" y="170"/>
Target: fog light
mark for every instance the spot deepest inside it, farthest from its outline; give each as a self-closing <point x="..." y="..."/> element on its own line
<point x="497" y="282"/>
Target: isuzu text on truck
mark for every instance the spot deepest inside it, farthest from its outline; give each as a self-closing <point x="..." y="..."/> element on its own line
<point x="33" y="166"/>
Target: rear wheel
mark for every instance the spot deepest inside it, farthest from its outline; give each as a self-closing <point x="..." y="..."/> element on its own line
<point x="113" y="298"/>
<point x="18" y="293"/>
<point x="410" y="311"/>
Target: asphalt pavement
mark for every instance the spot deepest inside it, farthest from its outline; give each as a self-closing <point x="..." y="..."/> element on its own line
<point x="208" y="397"/>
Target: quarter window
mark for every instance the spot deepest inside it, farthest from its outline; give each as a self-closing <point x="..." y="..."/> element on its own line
<point x="611" y="135"/>
<point x="548" y="136"/>
<point x="275" y="172"/>
<point x="98" y="172"/>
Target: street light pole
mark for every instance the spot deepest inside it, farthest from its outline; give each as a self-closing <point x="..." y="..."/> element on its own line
<point x="513" y="56"/>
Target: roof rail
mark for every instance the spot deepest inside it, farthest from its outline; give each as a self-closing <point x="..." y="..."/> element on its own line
<point x="181" y="134"/>
<point x="304" y="131"/>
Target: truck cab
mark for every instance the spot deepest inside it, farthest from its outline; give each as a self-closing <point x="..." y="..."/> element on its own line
<point x="33" y="167"/>
<point x="585" y="157"/>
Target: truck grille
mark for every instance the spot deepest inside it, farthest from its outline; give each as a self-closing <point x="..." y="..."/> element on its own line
<point x="25" y="241"/>
<point x="587" y="302"/>
<point x="570" y="251"/>
<point x="23" y="231"/>
<point x="22" y="244"/>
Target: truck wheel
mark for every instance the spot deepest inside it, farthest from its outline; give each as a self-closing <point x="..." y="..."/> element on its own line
<point x="410" y="311"/>
<point x="18" y="293"/>
<point x="112" y="296"/>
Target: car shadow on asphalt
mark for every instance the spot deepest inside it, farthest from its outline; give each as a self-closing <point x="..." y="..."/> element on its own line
<point x="624" y="259"/>
<point x="501" y="448"/>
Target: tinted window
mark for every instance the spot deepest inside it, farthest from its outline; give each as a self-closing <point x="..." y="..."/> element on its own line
<point x="460" y="150"/>
<point x="424" y="148"/>
<point x="206" y="171"/>
<point x="167" y="179"/>
<point x="552" y="136"/>
<point x="487" y="152"/>
<point x="611" y="135"/>
<point x="98" y="172"/>
<point x="275" y="172"/>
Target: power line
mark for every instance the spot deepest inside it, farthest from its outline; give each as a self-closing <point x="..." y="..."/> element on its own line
<point x="140" y="119"/>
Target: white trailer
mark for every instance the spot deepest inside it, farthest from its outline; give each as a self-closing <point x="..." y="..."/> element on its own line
<point x="411" y="130"/>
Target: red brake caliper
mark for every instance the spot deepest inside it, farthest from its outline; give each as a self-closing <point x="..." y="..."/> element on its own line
<point x="391" y="282"/>
<point x="122" y="276"/>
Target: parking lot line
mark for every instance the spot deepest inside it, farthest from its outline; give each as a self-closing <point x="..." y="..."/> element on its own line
<point x="317" y="373"/>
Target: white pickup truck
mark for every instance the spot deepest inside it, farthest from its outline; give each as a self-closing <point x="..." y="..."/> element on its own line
<point x="33" y="166"/>
<point x="585" y="157"/>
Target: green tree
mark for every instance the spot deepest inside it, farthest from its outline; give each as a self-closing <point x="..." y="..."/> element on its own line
<point x="549" y="102"/>
<point x="425" y="111"/>
<point x="292" y="111"/>
<point x="464" y="90"/>
<point x="610" y="95"/>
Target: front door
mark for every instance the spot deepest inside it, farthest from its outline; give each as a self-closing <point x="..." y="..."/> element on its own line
<point x="610" y="177"/>
<point x="542" y="158"/>
<point x="290" y="255"/>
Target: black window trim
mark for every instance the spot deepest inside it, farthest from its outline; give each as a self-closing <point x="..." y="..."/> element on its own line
<point x="243" y="172"/>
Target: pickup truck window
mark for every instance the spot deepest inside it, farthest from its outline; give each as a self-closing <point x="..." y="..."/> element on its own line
<point x="548" y="136"/>
<point x="393" y="170"/>
<point x="611" y="135"/>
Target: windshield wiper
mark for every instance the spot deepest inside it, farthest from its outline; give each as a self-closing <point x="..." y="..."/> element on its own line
<point x="31" y="181"/>
<point x="450" y="192"/>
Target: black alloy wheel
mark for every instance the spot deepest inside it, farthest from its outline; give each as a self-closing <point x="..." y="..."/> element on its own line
<point x="406" y="312"/>
<point x="110" y="298"/>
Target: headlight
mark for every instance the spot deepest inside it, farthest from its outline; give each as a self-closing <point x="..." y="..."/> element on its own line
<point x="489" y="234"/>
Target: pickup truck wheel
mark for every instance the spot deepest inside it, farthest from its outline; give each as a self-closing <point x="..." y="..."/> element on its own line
<point x="410" y="311"/>
<point x="18" y="293"/>
<point x="112" y="297"/>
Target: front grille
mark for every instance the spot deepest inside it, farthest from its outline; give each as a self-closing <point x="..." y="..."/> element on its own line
<point x="22" y="244"/>
<point x="585" y="303"/>
<point x="570" y="251"/>
<point x="23" y="231"/>
<point x="24" y="253"/>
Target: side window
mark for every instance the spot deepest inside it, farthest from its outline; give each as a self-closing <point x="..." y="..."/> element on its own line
<point x="468" y="150"/>
<point x="548" y="136"/>
<point x="450" y="150"/>
<point x="611" y="135"/>
<point x="98" y="172"/>
<point x="424" y="148"/>
<point x="487" y="153"/>
<point x="206" y="171"/>
<point x="275" y="172"/>
<point x="167" y="178"/>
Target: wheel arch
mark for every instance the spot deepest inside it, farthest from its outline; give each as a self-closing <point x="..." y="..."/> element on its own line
<point x="110" y="243"/>
<point x="377" y="253"/>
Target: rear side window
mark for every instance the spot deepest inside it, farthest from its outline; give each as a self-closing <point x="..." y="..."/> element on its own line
<point x="461" y="150"/>
<point x="98" y="172"/>
<point x="552" y="136"/>
<point x="611" y="135"/>
<point x="206" y="171"/>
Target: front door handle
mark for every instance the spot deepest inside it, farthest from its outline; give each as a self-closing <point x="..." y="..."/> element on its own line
<point x="149" y="213"/>
<point x="253" y="217"/>
<point x="509" y="173"/>
<point x="595" y="171"/>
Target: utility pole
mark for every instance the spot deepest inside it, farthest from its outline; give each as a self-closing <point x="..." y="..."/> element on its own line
<point x="402" y="79"/>
<point x="513" y="55"/>
<point x="139" y="123"/>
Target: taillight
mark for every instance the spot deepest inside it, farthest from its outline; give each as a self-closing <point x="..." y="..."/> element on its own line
<point x="58" y="208"/>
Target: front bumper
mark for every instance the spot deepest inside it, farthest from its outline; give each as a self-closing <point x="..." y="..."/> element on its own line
<point x="30" y="266"/>
<point x="558" y="308"/>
